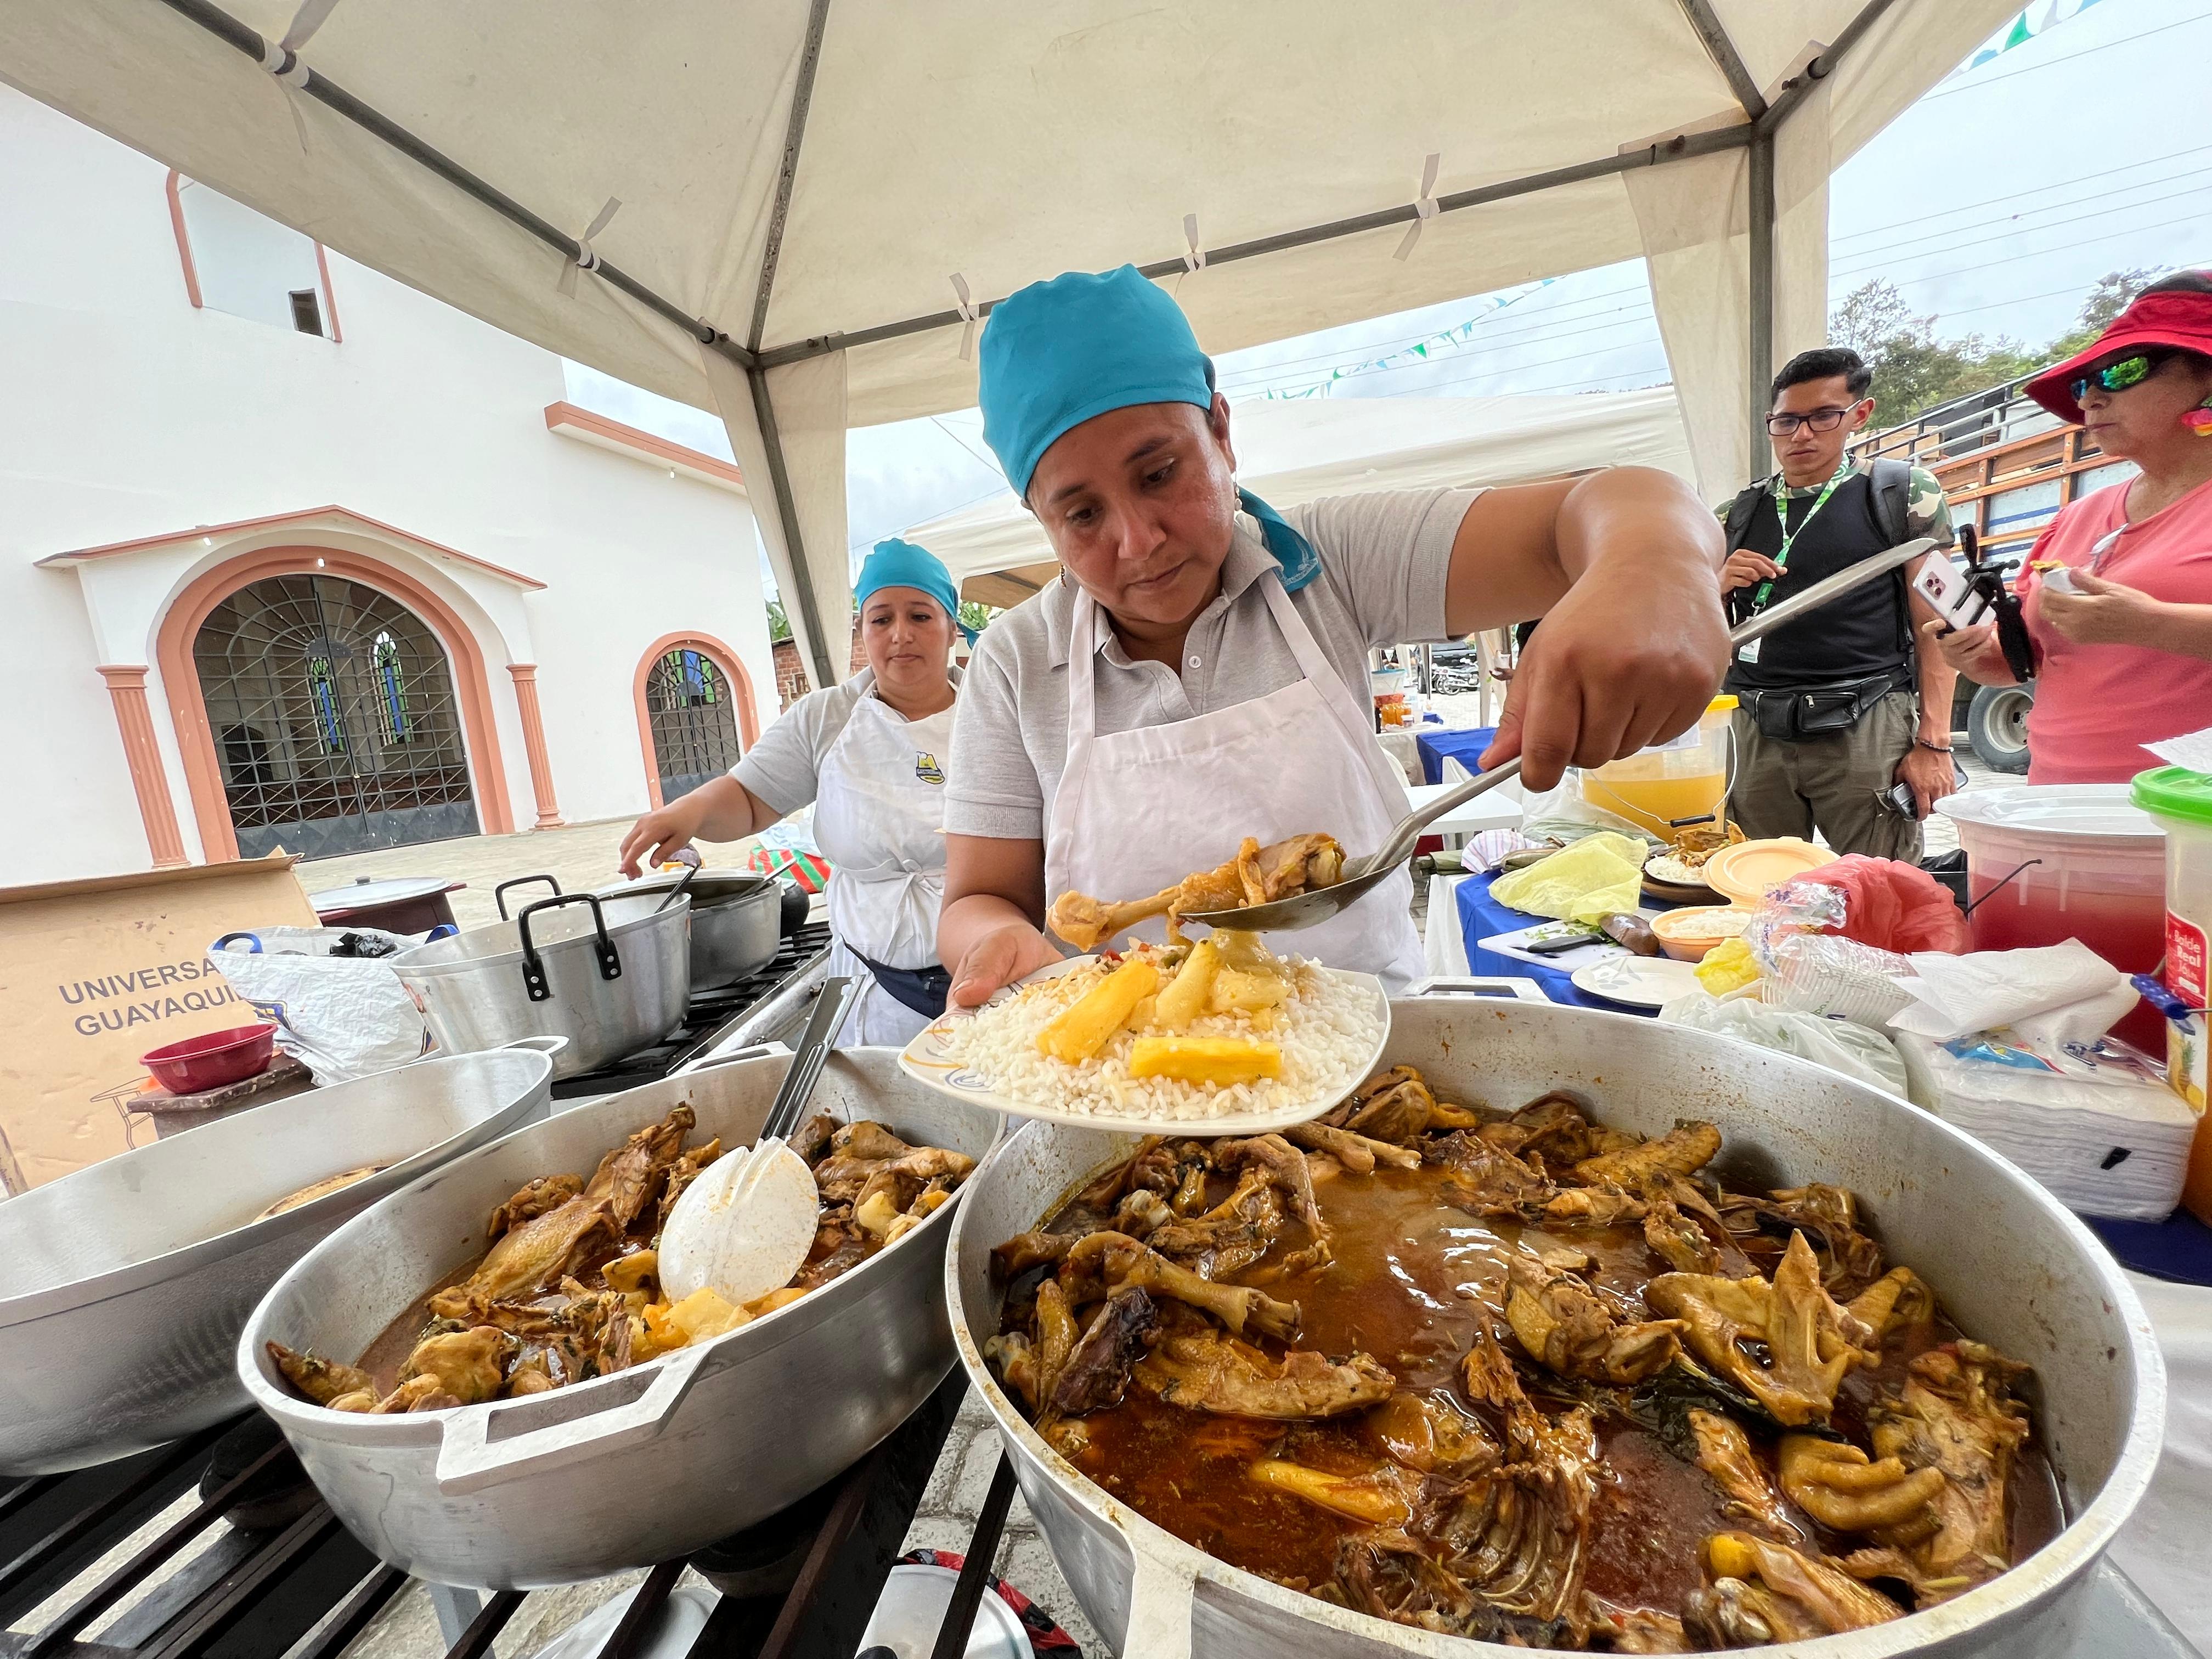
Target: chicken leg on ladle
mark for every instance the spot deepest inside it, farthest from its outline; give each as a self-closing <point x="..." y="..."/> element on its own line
<point x="1257" y="875"/>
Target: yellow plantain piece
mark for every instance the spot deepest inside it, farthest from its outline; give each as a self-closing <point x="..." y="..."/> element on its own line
<point x="1235" y="990"/>
<point x="1205" y="1059"/>
<point x="1186" y="997"/>
<point x="1080" y="1030"/>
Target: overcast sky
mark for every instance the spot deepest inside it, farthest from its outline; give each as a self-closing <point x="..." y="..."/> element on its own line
<point x="1992" y="203"/>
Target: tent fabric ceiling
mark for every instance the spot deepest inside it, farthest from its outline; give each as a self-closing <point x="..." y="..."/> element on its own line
<point x="1003" y="141"/>
<point x="1299" y="450"/>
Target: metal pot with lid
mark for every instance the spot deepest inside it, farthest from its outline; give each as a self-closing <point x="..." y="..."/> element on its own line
<point x="734" y="920"/>
<point x="610" y="975"/>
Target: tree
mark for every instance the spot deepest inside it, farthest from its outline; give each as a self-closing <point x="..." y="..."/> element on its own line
<point x="974" y="614"/>
<point x="1914" y="370"/>
<point x="2113" y="292"/>
<point x="778" y="625"/>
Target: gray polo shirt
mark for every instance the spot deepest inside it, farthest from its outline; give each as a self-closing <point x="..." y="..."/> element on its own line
<point x="783" y="769"/>
<point x="1384" y="558"/>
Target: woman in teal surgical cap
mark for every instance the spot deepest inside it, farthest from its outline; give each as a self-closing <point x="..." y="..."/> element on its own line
<point x="872" y="756"/>
<point x="1199" y="673"/>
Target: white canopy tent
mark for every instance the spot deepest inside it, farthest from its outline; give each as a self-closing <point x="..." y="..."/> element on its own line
<point x="790" y="211"/>
<point x="1300" y="450"/>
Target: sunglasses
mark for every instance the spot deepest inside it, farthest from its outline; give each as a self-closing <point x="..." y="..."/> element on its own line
<point x="2119" y="376"/>
<point x="1820" y="420"/>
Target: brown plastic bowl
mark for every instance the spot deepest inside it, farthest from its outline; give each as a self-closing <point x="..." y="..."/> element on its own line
<point x="211" y="1060"/>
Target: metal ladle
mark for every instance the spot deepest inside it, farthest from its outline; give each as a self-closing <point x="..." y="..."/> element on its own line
<point x="1304" y="909"/>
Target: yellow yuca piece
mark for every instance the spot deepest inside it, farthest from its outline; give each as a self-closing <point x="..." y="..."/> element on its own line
<point x="1185" y="999"/>
<point x="1236" y="990"/>
<point x="1205" y="1059"/>
<point x="704" y="1314"/>
<point x="1081" y="1031"/>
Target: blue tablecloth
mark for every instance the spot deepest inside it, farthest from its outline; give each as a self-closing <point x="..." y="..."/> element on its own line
<point x="1481" y="917"/>
<point x="2179" y="1249"/>
<point x="1463" y="744"/>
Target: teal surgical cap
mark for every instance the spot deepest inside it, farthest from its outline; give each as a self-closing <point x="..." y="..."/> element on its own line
<point x="895" y="563"/>
<point x="1060" y="353"/>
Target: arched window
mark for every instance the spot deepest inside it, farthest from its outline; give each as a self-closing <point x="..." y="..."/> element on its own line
<point x="694" y="720"/>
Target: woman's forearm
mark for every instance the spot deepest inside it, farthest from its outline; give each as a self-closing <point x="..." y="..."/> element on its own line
<point x="962" y="921"/>
<point x="731" y="811"/>
<point x="2183" y="629"/>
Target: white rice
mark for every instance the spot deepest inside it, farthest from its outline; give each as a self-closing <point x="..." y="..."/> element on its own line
<point x="1326" y="1030"/>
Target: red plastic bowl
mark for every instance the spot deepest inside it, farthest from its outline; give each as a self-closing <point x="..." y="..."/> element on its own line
<point x="213" y="1059"/>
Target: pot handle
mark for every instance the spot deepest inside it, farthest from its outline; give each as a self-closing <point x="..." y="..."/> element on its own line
<point x="1495" y="987"/>
<point x="533" y="965"/>
<point x="708" y="1062"/>
<point x="485" y="1447"/>
<point x="499" y="893"/>
<point x="550" y="1043"/>
<point x="1160" y="1593"/>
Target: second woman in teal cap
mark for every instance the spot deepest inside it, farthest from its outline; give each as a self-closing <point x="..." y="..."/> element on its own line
<point x="1199" y="673"/>
<point x="872" y="756"/>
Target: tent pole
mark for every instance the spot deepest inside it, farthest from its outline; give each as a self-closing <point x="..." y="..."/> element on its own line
<point x="323" y="91"/>
<point x="1762" y="292"/>
<point x="1721" y="49"/>
<point x="802" y="100"/>
<point x="786" y="512"/>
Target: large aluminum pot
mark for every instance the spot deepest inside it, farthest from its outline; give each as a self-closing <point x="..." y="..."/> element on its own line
<point x="624" y="1470"/>
<point x="123" y="1287"/>
<point x="2011" y="1265"/>
<point x="734" y="921"/>
<point x="611" y="976"/>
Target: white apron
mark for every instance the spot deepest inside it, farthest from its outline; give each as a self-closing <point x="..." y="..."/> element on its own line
<point x="1138" y="811"/>
<point x="879" y="812"/>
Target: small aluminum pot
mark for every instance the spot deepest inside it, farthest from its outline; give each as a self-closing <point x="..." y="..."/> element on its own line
<point x="2012" y="1266"/>
<point x="611" y="976"/>
<point x="649" y="1463"/>
<point x="734" y="922"/>
<point x="124" y="1286"/>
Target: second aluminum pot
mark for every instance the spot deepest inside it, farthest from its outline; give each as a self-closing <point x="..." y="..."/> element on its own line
<point x="2011" y="1265"/>
<point x="612" y="975"/>
<point x="734" y="921"/>
<point x="657" y="1461"/>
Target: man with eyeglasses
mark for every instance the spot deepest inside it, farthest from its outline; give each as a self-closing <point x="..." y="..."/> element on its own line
<point x="1837" y="708"/>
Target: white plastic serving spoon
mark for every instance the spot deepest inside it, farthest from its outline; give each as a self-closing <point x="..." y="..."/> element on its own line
<point x="744" y="1224"/>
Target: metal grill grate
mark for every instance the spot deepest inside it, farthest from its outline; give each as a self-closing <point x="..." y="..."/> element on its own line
<point x="695" y="723"/>
<point x="334" y="717"/>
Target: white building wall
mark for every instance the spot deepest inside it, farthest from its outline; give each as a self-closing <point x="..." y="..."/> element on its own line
<point x="131" y="414"/>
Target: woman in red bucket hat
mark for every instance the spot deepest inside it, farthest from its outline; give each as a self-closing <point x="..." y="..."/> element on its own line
<point x="2117" y="591"/>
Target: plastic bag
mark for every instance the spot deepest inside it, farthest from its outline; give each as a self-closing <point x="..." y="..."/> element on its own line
<point x="1562" y="814"/>
<point x="1729" y="966"/>
<point x="1891" y="905"/>
<point x="1857" y="1052"/>
<point x="1828" y="973"/>
<point x="788" y="849"/>
<point x="343" y="1017"/>
<point x="1600" y="875"/>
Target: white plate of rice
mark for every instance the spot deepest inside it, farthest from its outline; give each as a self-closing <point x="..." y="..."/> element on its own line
<point x="1331" y="1031"/>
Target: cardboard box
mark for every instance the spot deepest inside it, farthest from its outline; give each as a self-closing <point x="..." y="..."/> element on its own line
<point x="93" y="973"/>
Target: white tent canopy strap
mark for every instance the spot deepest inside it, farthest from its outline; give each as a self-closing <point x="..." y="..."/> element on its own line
<point x="800" y="179"/>
<point x="1301" y="450"/>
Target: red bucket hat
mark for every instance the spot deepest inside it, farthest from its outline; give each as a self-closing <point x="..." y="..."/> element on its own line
<point x="2174" y="312"/>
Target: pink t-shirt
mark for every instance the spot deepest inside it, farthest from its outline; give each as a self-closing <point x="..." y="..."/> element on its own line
<point x="2096" y="705"/>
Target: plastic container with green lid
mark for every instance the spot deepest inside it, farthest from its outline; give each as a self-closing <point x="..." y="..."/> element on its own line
<point x="2181" y="801"/>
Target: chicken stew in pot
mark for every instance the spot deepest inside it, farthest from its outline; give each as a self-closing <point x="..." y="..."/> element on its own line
<point x="1522" y="1378"/>
<point x="568" y="1288"/>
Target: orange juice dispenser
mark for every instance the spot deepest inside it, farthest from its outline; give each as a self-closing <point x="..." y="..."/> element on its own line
<point x="1658" y="788"/>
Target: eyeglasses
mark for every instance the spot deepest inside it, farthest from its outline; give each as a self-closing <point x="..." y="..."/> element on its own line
<point x="1820" y="420"/>
<point x="2119" y="376"/>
